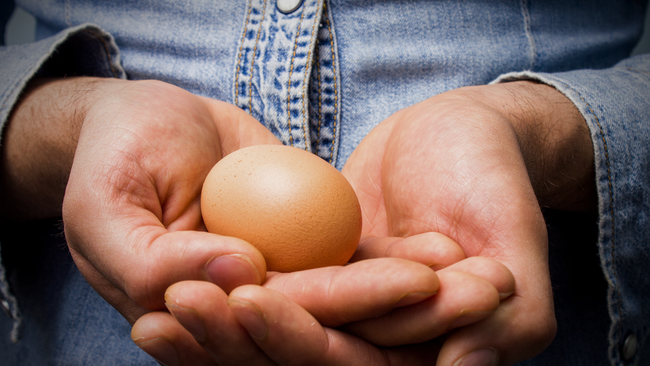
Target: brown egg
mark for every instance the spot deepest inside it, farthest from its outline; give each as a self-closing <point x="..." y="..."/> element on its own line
<point x="295" y="208"/>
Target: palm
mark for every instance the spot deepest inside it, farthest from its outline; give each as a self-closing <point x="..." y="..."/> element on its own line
<point x="425" y="169"/>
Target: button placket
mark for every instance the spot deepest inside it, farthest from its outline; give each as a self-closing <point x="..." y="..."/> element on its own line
<point x="273" y="67"/>
<point x="5" y="307"/>
<point x="324" y="114"/>
<point x="288" y="6"/>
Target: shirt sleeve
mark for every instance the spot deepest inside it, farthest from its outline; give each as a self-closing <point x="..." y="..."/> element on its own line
<point x="85" y="50"/>
<point x="615" y="103"/>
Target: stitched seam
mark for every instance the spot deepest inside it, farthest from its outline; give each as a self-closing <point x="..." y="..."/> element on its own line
<point x="529" y="34"/>
<point x="320" y="100"/>
<point x="611" y="201"/>
<point x="250" y="84"/>
<point x="68" y="10"/>
<point x="336" y="97"/>
<point x="639" y="71"/>
<point x="293" y="57"/>
<point x="241" y="47"/>
<point x="305" y="80"/>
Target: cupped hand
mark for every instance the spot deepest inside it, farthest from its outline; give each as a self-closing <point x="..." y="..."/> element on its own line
<point x="465" y="149"/>
<point x="292" y="319"/>
<point x="132" y="204"/>
<point x="308" y="317"/>
<point x="453" y="165"/>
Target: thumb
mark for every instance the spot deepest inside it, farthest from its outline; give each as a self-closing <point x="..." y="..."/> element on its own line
<point x="141" y="262"/>
<point x="236" y="128"/>
<point x="190" y="255"/>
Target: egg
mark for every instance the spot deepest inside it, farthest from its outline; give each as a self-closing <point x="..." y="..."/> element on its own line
<point x="295" y="208"/>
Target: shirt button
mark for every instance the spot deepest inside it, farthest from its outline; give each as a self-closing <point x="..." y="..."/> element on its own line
<point x="5" y="307"/>
<point x="629" y="347"/>
<point x="288" y="6"/>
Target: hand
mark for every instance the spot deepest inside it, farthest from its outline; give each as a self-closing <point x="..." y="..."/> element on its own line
<point x="120" y="229"/>
<point x="131" y="206"/>
<point x="459" y="164"/>
<point x="260" y="326"/>
<point x="501" y="173"/>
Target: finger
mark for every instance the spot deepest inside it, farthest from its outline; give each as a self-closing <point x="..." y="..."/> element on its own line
<point x="488" y="269"/>
<point x="432" y="249"/>
<point x="461" y="299"/>
<point x="291" y="336"/>
<point x="173" y="257"/>
<point x="513" y="333"/>
<point x="162" y="338"/>
<point x="202" y="308"/>
<point x="227" y="268"/>
<point x="144" y="271"/>
<point x="236" y="128"/>
<point x="361" y="290"/>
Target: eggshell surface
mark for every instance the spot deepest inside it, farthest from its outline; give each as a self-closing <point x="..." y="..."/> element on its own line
<point x="295" y="208"/>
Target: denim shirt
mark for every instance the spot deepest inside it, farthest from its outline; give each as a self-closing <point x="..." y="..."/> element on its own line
<point x="320" y="78"/>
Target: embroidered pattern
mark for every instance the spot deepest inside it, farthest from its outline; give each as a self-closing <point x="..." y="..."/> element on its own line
<point x="286" y="74"/>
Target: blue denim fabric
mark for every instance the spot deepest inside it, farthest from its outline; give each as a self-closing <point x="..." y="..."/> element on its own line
<point x="65" y="322"/>
<point x="273" y="68"/>
<point x="321" y="78"/>
<point x="96" y="55"/>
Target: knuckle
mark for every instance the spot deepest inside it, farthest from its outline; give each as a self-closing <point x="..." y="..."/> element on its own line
<point x="142" y="290"/>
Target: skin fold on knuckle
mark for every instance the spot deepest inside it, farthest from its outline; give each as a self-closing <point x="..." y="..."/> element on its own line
<point x="144" y="288"/>
<point x="488" y="269"/>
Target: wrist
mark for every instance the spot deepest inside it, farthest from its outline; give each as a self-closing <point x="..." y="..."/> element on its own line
<point x="39" y="142"/>
<point x="554" y="139"/>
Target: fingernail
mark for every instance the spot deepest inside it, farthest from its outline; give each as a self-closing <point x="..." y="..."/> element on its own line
<point x="413" y="298"/>
<point x="231" y="271"/>
<point x="505" y="295"/>
<point x="162" y="350"/>
<point x="190" y="320"/>
<point x="250" y="316"/>
<point x="482" y="357"/>
<point x="469" y="318"/>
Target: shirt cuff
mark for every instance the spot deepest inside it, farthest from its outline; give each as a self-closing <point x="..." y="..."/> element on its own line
<point x="85" y="50"/>
<point x="615" y="103"/>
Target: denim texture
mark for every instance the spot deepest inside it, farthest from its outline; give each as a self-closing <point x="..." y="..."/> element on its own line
<point x="321" y="78"/>
<point x="273" y="68"/>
